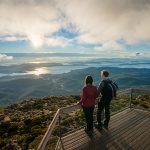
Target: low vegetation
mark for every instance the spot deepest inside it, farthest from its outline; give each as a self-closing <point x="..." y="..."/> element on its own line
<point x="23" y="125"/>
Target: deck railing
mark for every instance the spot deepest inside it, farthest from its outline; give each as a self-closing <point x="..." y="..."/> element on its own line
<point x="69" y="109"/>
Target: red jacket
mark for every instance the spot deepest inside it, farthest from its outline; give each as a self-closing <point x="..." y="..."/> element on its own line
<point x="88" y="97"/>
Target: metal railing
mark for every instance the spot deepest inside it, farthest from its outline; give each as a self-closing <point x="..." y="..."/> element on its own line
<point x="69" y="109"/>
<point x="56" y="119"/>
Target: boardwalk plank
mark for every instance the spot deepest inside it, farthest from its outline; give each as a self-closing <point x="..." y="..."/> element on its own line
<point x="114" y="134"/>
<point x="130" y="136"/>
<point x="128" y="130"/>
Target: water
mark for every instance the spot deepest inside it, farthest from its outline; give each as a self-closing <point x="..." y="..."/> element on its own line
<point x="66" y="63"/>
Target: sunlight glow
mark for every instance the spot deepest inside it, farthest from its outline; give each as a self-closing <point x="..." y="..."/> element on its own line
<point x="36" y="41"/>
<point x="39" y="71"/>
<point x="35" y="62"/>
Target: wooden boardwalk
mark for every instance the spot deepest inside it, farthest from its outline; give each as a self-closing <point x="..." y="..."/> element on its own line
<point x="128" y="130"/>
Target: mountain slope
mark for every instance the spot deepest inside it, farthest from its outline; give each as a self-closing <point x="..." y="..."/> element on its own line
<point x="16" y="88"/>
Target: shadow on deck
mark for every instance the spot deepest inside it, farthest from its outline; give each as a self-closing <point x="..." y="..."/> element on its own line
<point x="129" y="129"/>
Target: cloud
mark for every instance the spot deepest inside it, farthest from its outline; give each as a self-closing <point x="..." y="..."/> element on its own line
<point x="95" y="21"/>
<point x="32" y="19"/>
<point x="103" y="21"/>
<point x="12" y="38"/>
<point x="110" y="45"/>
<point x="4" y="57"/>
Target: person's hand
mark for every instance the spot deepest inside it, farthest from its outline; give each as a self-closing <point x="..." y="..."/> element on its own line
<point x="78" y="103"/>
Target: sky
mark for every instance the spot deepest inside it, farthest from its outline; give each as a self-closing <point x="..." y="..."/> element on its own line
<point x="110" y="28"/>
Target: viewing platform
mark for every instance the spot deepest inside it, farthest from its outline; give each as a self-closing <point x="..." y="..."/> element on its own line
<point x="129" y="129"/>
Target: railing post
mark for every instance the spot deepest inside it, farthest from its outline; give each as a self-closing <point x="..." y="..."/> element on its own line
<point x="131" y="96"/>
<point x="59" y="124"/>
<point x="59" y="121"/>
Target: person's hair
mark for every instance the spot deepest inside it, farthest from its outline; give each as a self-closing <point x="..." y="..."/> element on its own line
<point x="105" y="73"/>
<point x="88" y="80"/>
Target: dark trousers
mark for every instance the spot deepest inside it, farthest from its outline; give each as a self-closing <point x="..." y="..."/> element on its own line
<point x="104" y="104"/>
<point x="88" y="112"/>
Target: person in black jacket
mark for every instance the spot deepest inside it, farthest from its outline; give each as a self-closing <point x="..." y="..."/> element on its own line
<point x="107" y="89"/>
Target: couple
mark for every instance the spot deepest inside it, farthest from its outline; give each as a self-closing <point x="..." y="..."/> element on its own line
<point x="107" y="89"/>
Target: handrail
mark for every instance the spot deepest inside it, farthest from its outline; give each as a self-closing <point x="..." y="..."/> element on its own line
<point x="45" y="139"/>
<point x="68" y="109"/>
<point x="141" y="91"/>
<point x="125" y="91"/>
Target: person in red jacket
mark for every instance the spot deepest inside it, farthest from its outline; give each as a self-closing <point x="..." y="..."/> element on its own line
<point x="88" y="98"/>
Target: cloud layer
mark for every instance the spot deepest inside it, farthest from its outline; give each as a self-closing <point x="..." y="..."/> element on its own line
<point x="110" y="24"/>
<point x="4" y="57"/>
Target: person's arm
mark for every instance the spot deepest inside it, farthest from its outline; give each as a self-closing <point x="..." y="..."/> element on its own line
<point x="100" y="87"/>
<point x="116" y="86"/>
<point x="95" y="92"/>
<point x="83" y="96"/>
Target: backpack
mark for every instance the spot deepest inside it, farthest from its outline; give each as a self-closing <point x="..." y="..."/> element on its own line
<point x="111" y="87"/>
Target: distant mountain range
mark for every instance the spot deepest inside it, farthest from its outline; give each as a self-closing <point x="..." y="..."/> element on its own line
<point x="17" y="88"/>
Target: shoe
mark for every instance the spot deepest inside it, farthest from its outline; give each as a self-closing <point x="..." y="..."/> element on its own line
<point x="88" y="130"/>
<point x="98" y="126"/>
<point x="105" y="126"/>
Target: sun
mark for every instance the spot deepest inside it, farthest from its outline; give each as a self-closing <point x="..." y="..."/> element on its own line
<point x="36" y="41"/>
